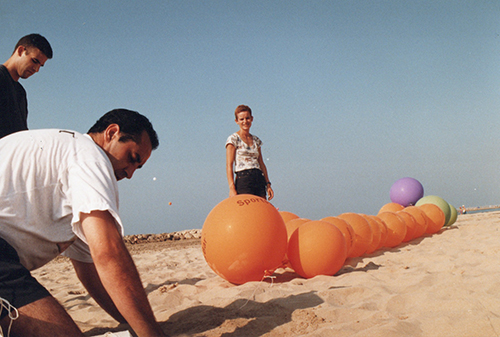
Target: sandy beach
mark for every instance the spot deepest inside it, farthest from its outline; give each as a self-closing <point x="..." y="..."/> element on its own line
<point x="447" y="284"/>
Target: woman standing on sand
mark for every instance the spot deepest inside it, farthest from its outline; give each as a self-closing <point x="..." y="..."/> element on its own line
<point x="244" y="156"/>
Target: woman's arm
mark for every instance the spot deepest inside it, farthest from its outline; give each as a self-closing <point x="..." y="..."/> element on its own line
<point x="230" y="156"/>
<point x="263" y="168"/>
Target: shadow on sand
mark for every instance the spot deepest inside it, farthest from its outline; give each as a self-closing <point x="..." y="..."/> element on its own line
<point x="249" y="318"/>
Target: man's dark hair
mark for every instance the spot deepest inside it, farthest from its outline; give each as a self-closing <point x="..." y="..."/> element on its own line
<point x="37" y="41"/>
<point x="132" y="124"/>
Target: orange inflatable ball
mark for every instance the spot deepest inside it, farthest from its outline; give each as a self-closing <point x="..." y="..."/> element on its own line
<point x="383" y="230"/>
<point x="420" y="220"/>
<point x="373" y="246"/>
<point x="317" y="248"/>
<point x="411" y="225"/>
<point x="346" y="230"/>
<point x="438" y="201"/>
<point x="391" y="207"/>
<point x="287" y="216"/>
<point x="244" y="239"/>
<point x="435" y="217"/>
<point x="363" y="233"/>
<point x="292" y="225"/>
<point x="396" y="228"/>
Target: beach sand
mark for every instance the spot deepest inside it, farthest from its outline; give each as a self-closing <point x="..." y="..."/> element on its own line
<point x="447" y="284"/>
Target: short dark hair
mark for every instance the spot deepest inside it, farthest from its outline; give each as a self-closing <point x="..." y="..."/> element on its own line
<point x="37" y="41"/>
<point x="132" y="124"/>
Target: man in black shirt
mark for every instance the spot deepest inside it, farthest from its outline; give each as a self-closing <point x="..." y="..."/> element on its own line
<point x="30" y="53"/>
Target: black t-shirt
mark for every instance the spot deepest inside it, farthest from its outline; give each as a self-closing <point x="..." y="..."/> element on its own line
<point x="13" y="105"/>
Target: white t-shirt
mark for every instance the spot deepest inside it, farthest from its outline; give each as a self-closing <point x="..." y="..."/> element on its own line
<point x="47" y="179"/>
<point x="247" y="157"/>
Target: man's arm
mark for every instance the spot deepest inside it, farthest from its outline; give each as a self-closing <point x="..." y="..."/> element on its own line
<point x="87" y="274"/>
<point x="118" y="273"/>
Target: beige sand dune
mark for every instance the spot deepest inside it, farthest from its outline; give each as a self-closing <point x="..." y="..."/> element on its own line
<point x="447" y="284"/>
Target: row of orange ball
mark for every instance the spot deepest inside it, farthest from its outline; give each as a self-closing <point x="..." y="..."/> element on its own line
<point x="315" y="248"/>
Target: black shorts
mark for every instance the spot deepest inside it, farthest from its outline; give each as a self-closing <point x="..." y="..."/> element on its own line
<point x="251" y="182"/>
<point x="17" y="286"/>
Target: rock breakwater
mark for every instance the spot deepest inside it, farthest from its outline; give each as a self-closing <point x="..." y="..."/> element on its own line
<point x="189" y="234"/>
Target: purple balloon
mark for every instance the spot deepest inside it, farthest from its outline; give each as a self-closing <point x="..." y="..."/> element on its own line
<point x="406" y="191"/>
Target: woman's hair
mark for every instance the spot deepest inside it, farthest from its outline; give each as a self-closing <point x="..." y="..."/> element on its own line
<point x="242" y="108"/>
<point x="132" y="124"/>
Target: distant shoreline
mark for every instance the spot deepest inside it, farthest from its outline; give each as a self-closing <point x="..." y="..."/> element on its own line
<point x="481" y="208"/>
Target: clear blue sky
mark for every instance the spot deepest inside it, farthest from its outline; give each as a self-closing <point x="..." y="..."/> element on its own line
<point x="347" y="96"/>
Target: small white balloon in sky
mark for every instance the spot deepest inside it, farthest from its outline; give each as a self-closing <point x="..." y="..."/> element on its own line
<point x="154" y="178"/>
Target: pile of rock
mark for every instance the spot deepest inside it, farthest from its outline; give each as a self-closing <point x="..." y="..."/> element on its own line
<point x="188" y="234"/>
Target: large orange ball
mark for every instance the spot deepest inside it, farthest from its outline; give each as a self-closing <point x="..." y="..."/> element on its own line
<point x="244" y="239"/>
<point x="438" y="201"/>
<point x="411" y="225"/>
<point x="316" y="248"/>
<point x="287" y="216"/>
<point x="363" y="231"/>
<point x="291" y="226"/>
<point x="436" y="218"/>
<point x="420" y="219"/>
<point x="346" y="230"/>
<point x="391" y="207"/>
<point x="383" y="230"/>
<point x="377" y="234"/>
<point x="396" y="228"/>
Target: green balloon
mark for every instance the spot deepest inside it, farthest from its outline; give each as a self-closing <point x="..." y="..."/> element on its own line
<point x="438" y="201"/>
<point x="453" y="216"/>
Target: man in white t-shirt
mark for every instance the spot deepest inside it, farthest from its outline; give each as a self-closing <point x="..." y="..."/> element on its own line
<point x="58" y="193"/>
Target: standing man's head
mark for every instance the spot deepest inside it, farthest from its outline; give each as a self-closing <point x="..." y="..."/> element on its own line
<point x="31" y="53"/>
<point x="127" y="137"/>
